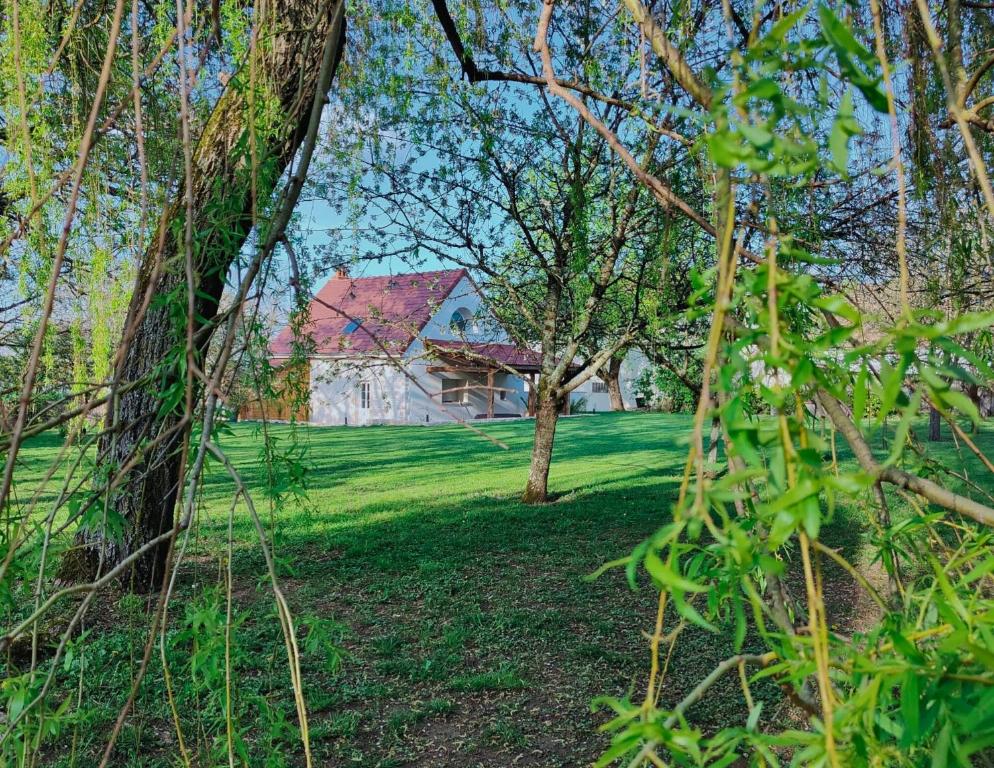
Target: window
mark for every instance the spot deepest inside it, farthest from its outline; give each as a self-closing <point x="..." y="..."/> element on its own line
<point x="364" y="395"/>
<point x="598" y="387"/>
<point x="353" y="325"/>
<point x="460" y="320"/>
<point x="503" y="394"/>
<point x="454" y="391"/>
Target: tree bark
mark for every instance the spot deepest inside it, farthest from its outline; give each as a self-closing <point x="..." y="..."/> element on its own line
<point x="934" y="425"/>
<point x="288" y="71"/>
<point x="614" y="384"/>
<point x="547" y="411"/>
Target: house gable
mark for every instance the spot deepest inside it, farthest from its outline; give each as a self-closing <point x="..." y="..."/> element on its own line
<point x="466" y="300"/>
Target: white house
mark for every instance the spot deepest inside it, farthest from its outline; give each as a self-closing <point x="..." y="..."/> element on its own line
<point x="418" y="348"/>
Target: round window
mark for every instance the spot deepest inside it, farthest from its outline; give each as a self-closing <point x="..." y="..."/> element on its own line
<point x="460" y="321"/>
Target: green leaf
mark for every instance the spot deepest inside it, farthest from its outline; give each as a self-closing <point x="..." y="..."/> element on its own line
<point x="961" y="402"/>
<point x="724" y="149"/>
<point x="971" y="321"/>
<point x="804" y="372"/>
<point x="843" y="128"/>
<point x="978" y="572"/>
<point x="981" y="654"/>
<point x="622" y="744"/>
<point x="636" y="557"/>
<point x="691" y="614"/>
<point x="811" y="516"/>
<point x="838" y="305"/>
<point x="903" y="427"/>
<point x="906" y="648"/>
<point x="891" y="379"/>
<point x="940" y="751"/>
<point x="779" y="30"/>
<point x="756" y="135"/>
<point x="910" y="698"/>
<point x="952" y="608"/>
<point x="931" y="377"/>
<point x="765" y="89"/>
<point x="859" y="394"/>
<point x="754" y="714"/>
<point x="740" y="622"/>
<point x="804" y="488"/>
<point x="668" y="577"/>
<point x="852" y="57"/>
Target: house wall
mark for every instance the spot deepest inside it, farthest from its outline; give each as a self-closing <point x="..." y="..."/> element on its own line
<point x="595" y="401"/>
<point x="336" y="387"/>
<point x="335" y="384"/>
<point x="290" y="384"/>
<point x="424" y="408"/>
<point x="632" y="366"/>
<point x="394" y="399"/>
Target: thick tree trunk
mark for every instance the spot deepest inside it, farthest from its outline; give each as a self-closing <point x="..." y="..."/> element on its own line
<point x="934" y="425"/>
<point x="546" y="419"/>
<point x="288" y="71"/>
<point x="614" y="384"/>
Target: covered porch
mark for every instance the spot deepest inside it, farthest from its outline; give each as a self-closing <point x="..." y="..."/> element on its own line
<point x="489" y="371"/>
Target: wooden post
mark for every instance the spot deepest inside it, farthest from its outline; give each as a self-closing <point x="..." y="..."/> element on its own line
<point x="531" y="394"/>
<point x="490" y="393"/>
<point x="566" y="405"/>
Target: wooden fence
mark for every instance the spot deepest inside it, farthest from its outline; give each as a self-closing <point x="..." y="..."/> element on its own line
<point x="291" y="385"/>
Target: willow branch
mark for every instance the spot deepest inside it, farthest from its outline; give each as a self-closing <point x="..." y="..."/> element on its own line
<point x="716" y="674"/>
<point x="931" y="491"/>
<point x="670" y="56"/>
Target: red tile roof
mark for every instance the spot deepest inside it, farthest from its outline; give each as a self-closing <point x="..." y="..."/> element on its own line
<point x="392" y="309"/>
<point x="505" y="354"/>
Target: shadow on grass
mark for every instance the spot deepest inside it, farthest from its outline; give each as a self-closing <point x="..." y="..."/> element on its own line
<point x="590" y="523"/>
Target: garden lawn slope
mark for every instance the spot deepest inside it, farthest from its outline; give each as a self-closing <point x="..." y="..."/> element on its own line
<point x="442" y="622"/>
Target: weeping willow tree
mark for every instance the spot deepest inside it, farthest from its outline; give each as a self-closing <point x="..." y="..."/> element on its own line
<point x="138" y="163"/>
<point x="808" y="100"/>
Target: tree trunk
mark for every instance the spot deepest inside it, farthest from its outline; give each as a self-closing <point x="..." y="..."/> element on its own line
<point x="934" y="425"/>
<point x="614" y="384"/>
<point x="287" y="70"/>
<point x="546" y="418"/>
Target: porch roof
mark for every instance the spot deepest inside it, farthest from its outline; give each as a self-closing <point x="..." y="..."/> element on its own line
<point x="486" y="355"/>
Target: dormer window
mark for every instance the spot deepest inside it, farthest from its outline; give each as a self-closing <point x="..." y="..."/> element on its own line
<point x="460" y="320"/>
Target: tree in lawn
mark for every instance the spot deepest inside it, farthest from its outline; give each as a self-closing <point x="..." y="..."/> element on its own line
<point x="508" y="184"/>
<point x="250" y="137"/>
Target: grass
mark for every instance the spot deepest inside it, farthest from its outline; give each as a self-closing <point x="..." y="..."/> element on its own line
<point x="443" y="622"/>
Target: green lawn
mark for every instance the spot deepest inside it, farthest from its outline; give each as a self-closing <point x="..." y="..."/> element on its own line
<point x="467" y="634"/>
<point x="472" y="638"/>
